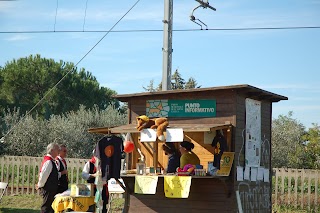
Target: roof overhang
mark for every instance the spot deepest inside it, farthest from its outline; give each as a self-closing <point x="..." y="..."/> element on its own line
<point x="248" y="90"/>
<point x="131" y="128"/>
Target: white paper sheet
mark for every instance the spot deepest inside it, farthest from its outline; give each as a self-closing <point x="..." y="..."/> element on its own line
<point x="254" y="173"/>
<point x="174" y="135"/>
<point x="114" y="186"/>
<point x="239" y="173"/>
<point x="260" y="173"/>
<point x="266" y="175"/>
<point x="148" y="135"/>
<point x="247" y="173"/>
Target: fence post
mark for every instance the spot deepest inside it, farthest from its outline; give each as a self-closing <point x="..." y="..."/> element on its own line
<point x="289" y="185"/>
<point x="309" y="173"/>
<point x="296" y="172"/>
<point x="317" y="177"/>
<point x="302" y="187"/>
<point x="282" y="186"/>
<point x="276" y="187"/>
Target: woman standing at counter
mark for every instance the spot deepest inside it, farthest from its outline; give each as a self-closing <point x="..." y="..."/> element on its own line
<point x="187" y="156"/>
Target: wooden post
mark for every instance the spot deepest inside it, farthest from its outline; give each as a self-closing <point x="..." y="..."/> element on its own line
<point x="282" y="186"/>
<point x="295" y="188"/>
<point x="155" y="154"/>
<point x="309" y="189"/>
<point x="302" y="183"/>
<point x="317" y="177"/>
<point x="276" y="187"/>
<point x="289" y="185"/>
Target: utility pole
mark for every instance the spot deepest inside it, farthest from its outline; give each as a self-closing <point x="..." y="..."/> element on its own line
<point x="167" y="45"/>
<point x="167" y="38"/>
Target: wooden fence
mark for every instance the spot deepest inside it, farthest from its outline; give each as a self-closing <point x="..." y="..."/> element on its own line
<point x="21" y="172"/>
<point x="296" y="188"/>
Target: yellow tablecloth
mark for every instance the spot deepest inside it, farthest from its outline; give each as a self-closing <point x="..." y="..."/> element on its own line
<point x="62" y="203"/>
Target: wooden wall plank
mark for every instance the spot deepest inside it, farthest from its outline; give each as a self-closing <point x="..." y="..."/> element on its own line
<point x="202" y="192"/>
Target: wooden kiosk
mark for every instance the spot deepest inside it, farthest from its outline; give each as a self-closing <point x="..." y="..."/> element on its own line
<point x="234" y="108"/>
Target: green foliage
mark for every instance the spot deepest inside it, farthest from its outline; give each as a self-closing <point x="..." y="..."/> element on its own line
<point x="50" y="87"/>
<point x="312" y="147"/>
<point x="30" y="135"/>
<point x="27" y="136"/>
<point x="177" y="82"/>
<point x="287" y="142"/>
<point x="293" y="146"/>
<point x="191" y="84"/>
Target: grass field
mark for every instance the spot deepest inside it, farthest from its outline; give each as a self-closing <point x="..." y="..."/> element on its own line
<point x="32" y="203"/>
<point x="20" y="204"/>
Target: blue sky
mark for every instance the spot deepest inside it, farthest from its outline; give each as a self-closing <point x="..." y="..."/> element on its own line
<point x="286" y="62"/>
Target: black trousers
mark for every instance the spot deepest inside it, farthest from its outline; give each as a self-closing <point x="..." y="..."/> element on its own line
<point x="48" y="198"/>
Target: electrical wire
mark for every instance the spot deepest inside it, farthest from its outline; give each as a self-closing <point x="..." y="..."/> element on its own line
<point x="158" y="30"/>
<point x="85" y="15"/>
<point x="107" y="32"/>
<point x="55" y="18"/>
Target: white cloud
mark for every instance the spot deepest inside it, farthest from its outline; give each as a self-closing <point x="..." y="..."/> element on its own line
<point x="6" y="5"/>
<point x="18" y="38"/>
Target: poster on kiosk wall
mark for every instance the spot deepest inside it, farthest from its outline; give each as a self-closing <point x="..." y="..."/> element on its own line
<point x="253" y="133"/>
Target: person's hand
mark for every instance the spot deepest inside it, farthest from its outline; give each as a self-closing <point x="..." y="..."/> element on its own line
<point x="64" y="172"/>
<point x="93" y="175"/>
<point x="36" y="186"/>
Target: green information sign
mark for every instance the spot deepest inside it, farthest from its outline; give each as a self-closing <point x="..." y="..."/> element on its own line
<point x="181" y="108"/>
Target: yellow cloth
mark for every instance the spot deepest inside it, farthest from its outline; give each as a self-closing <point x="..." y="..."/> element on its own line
<point x="62" y="203"/>
<point x="177" y="186"/>
<point x="145" y="184"/>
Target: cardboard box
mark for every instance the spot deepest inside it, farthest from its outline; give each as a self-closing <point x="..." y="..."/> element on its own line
<point x="82" y="190"/>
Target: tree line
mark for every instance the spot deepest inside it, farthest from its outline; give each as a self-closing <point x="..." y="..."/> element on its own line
<point x="78" y="103"/>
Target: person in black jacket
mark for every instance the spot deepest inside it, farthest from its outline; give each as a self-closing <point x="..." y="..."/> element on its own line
<point x="219" y="143"/>
<point x="173" y="157"/>
<point x="48" y="178"/>
<point x="62" y="166"/>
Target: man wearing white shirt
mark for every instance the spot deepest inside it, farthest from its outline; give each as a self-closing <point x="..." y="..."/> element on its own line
<point x="62" y="165"/>
<point x="48" y="178"/>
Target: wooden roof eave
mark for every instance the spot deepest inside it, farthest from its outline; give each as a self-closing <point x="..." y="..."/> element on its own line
<point x="131" y="128"/>
<point x="248" y="90"/>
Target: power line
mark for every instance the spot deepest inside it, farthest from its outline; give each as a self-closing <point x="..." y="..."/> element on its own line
<point x="55" y="18"/>
<point x="71" y="69"/>
<point x="85" y="15"/>
<point x="156" y="30"/>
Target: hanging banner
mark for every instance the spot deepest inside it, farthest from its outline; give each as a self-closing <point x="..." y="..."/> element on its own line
<point x="177" y="186"/>
<point x="181" y="108"/>
<point x="253" y="133"/>
<point x="145" y="184"/>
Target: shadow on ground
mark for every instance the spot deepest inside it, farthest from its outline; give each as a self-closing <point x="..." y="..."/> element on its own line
<point x="11" y="210"/>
